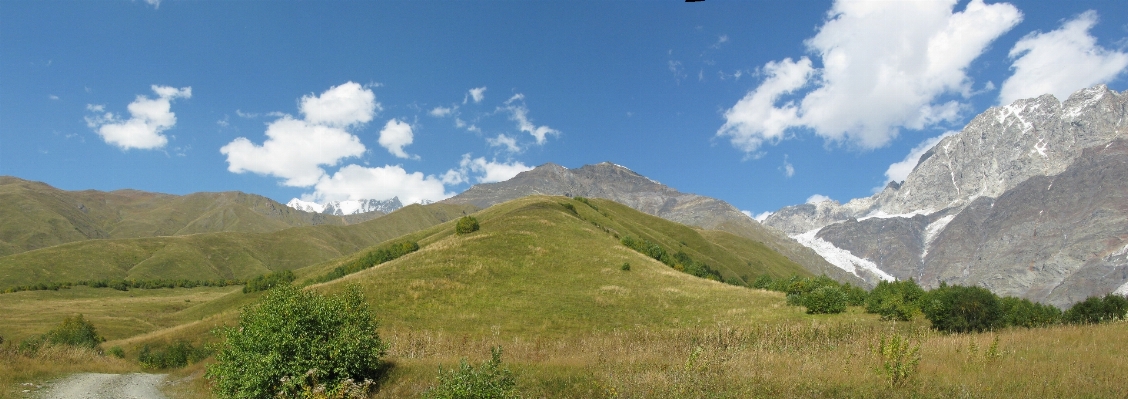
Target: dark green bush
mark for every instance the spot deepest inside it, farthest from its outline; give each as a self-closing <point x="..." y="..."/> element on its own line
<point x="292" y="332"/>
<point x="267" y="281"/>
<point x="176" y="355"/>
<point x="467" y="225"/>
<point x="73" y="331"/>
<point x="763" y="282"/>
<point x="117" y="352"/>
<point x="827" y="299"/>
<point x="626" y="267"/>
<point x="895" y="300"/>
<point x="1095" y="310"/>
<point x="1020" y="312"/>
<point x="855" y="296"/>
<point x="488" y="381"/>
<point x="962" y="309"/>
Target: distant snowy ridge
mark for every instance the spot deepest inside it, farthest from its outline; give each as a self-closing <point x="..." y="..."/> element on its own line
<point x="347" y="207"/>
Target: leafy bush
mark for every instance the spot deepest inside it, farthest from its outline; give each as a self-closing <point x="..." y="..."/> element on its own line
<point x="267" y="281"/>
<point x="899" y="360"/>
<point x="679" y="261"/>
<point x="827" y="299"/>
<point x="370" y="259"/>
<point x="626" y="267"/>
<point x="1095" y="310"/>
<point x="308" y="388"/>
<point x="488" y="381"/>
<point x="73" y="331"/>
<point x="1019" y="312"/>
<point x="855" y="296"/>
<point x="292" y="332"/>
<point x="175" y="356"/>
<point x="117" y="352"/>
<point x="763" y="282"/>
<point x="962" y="309"/>
<point x="895" y="300"/>
<point x="467" y="225"/>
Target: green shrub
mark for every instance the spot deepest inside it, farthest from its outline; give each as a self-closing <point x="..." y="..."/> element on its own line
<point x="626" y="267"/>
<point x="292" y="332"/>
<point x="268" y="281"/>
<point x="1019" y="312"/>
<point x="962" y="309"/>
<point x="1095" y="310"/>
<point x="899" y="360"/>
<point x="177" y="355"/>
<point x="855" y="296"/>
<point x="763" y="282"/>
<point x="467" y="225"/>
<point x="895" y="300"/>
<point x="73" y="331"/>
<point x="828" y="299"/>
<point x="117" y="352"/>
<point x="488" y="381"/>
<point x="378" y="256"/>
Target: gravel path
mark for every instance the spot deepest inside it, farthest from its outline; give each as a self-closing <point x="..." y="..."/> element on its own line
<point x="99" y="386"/>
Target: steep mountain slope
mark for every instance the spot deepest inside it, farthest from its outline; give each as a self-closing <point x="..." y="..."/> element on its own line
<point x="208" y="256"/>
<point x="36" y="215"/>
<point x="981" y="207"/>
<point x="537" y="266"/>
<point x="619" y="184"/>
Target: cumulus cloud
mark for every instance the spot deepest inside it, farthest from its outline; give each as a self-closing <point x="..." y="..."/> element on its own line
<point x="885" y="66"/>
<point x="762" y="216"/>
<point x="477" y="94"/>
<point x="149" y="118"/>
<point x="381" y="183"/>
<point x="395" y="136"/>
<point x="1060" y="62"/>
<point x="440" y="112"/>
<point x="341" y="106"/>
<point x="483" y="171"/>
<point x="502" y="140"/>
<point x="898" y="171"/>
<point x="519" y="113"/>
<point x="296" y="149"/>
<point x="817" y="198"/>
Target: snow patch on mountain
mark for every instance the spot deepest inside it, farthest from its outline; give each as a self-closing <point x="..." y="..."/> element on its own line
<point x="347" y="207"/>
<point x="838" y="256"/>
<point x="934" y="230"/>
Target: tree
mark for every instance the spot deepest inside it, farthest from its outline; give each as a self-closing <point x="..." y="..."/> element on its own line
<point x="827" y="299"/>
<point x="962" y="309"/>
<point x="291" y="334"/>
<point x="895" y="300"/>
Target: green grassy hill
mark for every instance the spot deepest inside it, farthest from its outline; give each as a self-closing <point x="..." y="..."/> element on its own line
<point x="213" y="255"/>
<point x="36" y="215"/>
<point x="536" y="266"/>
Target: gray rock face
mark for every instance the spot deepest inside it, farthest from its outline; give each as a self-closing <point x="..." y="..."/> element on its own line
<point x="622" y="185"/>
<point x="1028" y="200"/>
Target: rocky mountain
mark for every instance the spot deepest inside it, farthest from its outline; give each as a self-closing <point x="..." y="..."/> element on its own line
<point x="1029" y="199"/>
<point x="36" y="215"/>
<point x="622" y="185"/>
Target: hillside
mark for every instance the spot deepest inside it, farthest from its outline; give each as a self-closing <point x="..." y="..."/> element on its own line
<point x="36" y="215"/>
<point x="537" y="266"/>
<point x="617" y="183"/>
<point x="209" y="256"/>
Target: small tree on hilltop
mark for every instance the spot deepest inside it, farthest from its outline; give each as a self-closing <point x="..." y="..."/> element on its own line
<point x="466" y="225"/>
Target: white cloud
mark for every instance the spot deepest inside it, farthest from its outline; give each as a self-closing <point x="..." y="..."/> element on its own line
<point x="148" y="119"/>
<point x="440" y="112"/>
<point x="381" y="183"/>
<point x="884" y="67"/>
<point x="788" y="168"/>
<point x="477" y="94"/>
<point x="817" y="198"/>
<point x="900" y="170"/>
<point x="503" y="140"/>
<point x="294" y="150"/>
<point x="1061" y="62"/>
<point x="484" y="171"/>
<point x="155" y="3"/>
<point x="760" y="217"/>
<point x="53" y="97"/>
<point x="395" y="136"/>
<point x="520" y="114"/>
<point x="341" y="106"/>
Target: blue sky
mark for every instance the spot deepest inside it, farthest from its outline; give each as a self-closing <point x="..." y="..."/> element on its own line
<point x="762" y="104"/>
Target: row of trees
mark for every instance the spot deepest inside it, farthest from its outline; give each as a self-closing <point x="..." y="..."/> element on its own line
<point x="679" y="261"/>
<point x="126" y="284"/>
<point x="950" y="308"/>
<point x="373" y="258"/>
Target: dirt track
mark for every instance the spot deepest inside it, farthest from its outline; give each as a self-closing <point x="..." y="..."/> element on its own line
<point x="98" y="386"/>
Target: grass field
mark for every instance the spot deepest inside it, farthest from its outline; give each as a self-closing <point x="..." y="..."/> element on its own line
<point x="544" y="281"/>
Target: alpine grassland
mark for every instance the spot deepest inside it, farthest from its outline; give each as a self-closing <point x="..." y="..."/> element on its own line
<point x="545" y="300"/>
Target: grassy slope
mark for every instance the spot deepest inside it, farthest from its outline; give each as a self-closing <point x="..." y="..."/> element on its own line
<point x="37" y="215"/>
<point x="212" y="255"/>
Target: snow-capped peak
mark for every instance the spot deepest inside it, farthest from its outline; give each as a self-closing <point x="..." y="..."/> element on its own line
<point x="306" y="206"/>
<point x="347" y="207"/>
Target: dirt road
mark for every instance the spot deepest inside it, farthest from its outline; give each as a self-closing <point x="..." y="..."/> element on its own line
<point x="98" y="386"/>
